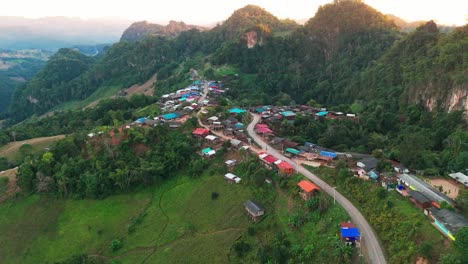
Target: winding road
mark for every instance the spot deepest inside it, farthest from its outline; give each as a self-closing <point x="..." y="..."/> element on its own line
<point x="370" y="244"/>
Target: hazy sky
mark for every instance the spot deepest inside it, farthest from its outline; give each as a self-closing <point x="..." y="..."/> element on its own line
<point x="209" y="11"/>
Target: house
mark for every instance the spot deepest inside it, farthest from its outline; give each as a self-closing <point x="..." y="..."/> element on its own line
<point x="446" y="221"/>
<point x="288" y="114"/>
<point x="419" y="200"/>
<point x="253" y="210"/>
<point x="230" y="163"/>
<point x="321" y="114"/>
<point x="141" y="120"/>
<point x="232" y="178"/>
<point x="267" y="160"/>
<point x="284" y="167"/>
<point x="367" y="167"/>
<point x="216" y="125"/>
<point x="460" y="177"/>
<point x="174" y="124"/>
<point x="238" y="126"/>
<point x="170" y="116"/>
<point x="349" y="233"/>
<point x="308" y="189"/>
<point x="263" y="129"/>
<point x="213" y="119"/>
<point x="236" y="143"/>
<point x="212" y="139"/>
<point x="328" y="154"/>
<point x="294" y="152"/>
<point x="289" y="144"/>
<point x="208" y="152"/>
<point x="236" y="111"/>
<point x="200" y="132"/>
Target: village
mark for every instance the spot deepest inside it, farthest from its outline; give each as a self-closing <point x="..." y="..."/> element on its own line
<point x="220" y="125"/>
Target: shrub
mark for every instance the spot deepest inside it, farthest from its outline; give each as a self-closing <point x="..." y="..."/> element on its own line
<point x="115" y="245"/>
<point x="214" y="195"/>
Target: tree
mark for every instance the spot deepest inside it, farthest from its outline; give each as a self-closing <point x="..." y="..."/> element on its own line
<point x="25" y="176"/>
<point x="461" y="242"/>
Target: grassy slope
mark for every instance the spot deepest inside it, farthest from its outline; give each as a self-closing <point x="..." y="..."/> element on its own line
<point x="11" y="150"/>
<point x="180" y="224"/>
<point x="61" y="228"/>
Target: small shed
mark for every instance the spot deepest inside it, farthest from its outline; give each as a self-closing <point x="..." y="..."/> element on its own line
<point x="253" y="210"/>
<point x="308" y="189"/>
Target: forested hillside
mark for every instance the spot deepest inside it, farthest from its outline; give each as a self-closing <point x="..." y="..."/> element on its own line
<point x="16" y="67"/>
<point x="347" y="53"/>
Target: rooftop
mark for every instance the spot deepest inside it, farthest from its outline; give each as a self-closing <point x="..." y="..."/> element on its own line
<point x="418" y="197"/>
<point x="253" y="207"/>
<point x="307" y="186"/>
<point x="460" y="177"/>
<point x="236" y="111"/>
<point x="451" y="220"/>
<point x="425" y="189"/>
<point x="170" y="116"/>
<point x="349" y="232"/>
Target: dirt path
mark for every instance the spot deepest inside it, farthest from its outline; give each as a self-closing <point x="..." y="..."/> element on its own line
<point x="13" y="147"/>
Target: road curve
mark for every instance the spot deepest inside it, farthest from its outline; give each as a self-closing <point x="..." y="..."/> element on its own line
<point x="370" y="244"/>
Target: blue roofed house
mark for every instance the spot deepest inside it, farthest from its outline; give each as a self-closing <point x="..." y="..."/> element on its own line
<point x="367" y="167"/>
<point x="349" y="233"/>
<point x="288" y="114"/>
<point x="170" y="116"/>
<point x="236" y="111"/>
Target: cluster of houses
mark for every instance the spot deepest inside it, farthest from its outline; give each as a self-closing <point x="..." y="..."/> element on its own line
<point x="230" y="126"/>
<point x="279" y="113"/>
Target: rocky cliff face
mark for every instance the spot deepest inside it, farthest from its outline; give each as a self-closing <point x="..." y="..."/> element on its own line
<point x="252" y="39"/>
<point x="140" y="30"/>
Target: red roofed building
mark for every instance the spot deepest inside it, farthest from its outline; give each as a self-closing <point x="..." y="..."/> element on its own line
<point x="284" y="168"/>
<point x="267" y="160"/>
<point x="263" y="129"/>
<point x="201" y="132"/>
<point x="308" y="189"/>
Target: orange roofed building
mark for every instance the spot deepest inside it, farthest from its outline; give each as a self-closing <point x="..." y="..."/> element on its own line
<point x="308" y="189"/>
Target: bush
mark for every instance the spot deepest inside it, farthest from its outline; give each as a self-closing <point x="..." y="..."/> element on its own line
<point x="115" y="245"/>
<point x="214" y="195"/>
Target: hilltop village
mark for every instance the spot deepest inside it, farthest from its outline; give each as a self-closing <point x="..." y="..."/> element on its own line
<point x="251" y="129"/>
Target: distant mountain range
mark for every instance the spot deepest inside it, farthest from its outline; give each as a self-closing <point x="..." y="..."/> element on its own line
<point x="53" y="33"/>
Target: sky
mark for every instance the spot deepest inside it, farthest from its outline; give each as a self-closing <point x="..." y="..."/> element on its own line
<point x="205" y="12"/>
